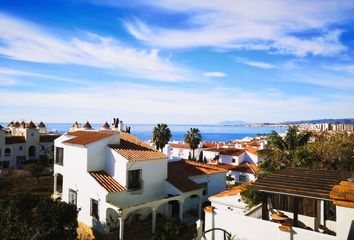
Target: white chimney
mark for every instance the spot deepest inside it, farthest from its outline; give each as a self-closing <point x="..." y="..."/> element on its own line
<point x="120" y="126"/>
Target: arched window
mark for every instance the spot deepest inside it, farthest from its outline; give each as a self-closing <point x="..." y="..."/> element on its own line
<point x="7" y="152"/>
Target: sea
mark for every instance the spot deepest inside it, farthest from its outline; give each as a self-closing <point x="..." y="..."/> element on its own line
<point x="212" y="133"/>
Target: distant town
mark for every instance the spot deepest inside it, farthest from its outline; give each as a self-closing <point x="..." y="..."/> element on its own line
<point x="113" y="181"/>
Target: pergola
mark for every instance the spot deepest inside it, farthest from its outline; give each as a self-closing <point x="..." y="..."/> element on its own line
<point x="298" y="183"/>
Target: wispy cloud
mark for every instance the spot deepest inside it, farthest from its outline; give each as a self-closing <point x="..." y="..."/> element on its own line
<point x="20" y="73"/>
<point x="166" y="104"/>
<point x="256" y="64"/>
<point x="215" y="74"/>
<point x="348" y="68"/>
<point x="270" y="26"/>
<point x="25" y="41"/>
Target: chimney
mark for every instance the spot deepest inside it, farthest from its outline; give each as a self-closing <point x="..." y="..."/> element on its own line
<point x="121" y="125"/>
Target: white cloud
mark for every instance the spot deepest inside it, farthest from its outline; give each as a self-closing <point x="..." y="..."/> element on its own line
<point x="28" y="42"/>
<point x="256" y="64"/>
<point x="264" y="25"/>
<point x="19" y="73"/>
<point x="5" y="81"/>
<point x="147" y="104"/>
<point x="215" y="74"/>
<point x="348" y="68"/>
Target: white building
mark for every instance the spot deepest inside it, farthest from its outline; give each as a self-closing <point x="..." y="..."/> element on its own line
<point x="314" y="210"/>
<point x="116" y="180"/>
<point x="20" y="142"/>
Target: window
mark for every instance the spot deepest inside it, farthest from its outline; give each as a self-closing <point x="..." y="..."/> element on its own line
<point x="7" y="152"/>
<point x="6" y="164"/>
<point x="94" y="208"/>
<point x="59" y="155"/>
<point x="242" y="178"/>
<point x="233" y="160"/>
<point x="20" y="148"/>
<point x="134" y="179"/>
<point x="72" y="197"/>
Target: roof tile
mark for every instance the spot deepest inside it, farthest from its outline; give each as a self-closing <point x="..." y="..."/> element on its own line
<point x="107" y="181"/>
<point x="133" y="149"/>
<point x="87" y="137"/>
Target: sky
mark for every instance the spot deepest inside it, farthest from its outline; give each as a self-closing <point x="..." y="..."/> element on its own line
<point x="179" y="62"/>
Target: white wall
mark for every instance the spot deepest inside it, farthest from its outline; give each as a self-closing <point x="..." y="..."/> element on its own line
<point x="154" y="173"/>
<point x="216" y="183"/>
<point x="345" y="223"/>
<point x="255" y="229"/>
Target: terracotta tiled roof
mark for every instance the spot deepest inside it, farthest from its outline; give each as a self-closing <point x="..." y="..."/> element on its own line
<point x="227" y="151"/>
<point x="180" y="145"/>
<point x="31" y="125"/>
<point x="87" y="125"/>
<point x="252" y="150"/>
<point x="41" y="125"/>
<point x="107" y="181"/>
<point x="48" y="138"/>
<point x="209" y="144"/>
<point x="343" y="194"/>
<point x="87" y="137"/>
<point x="133" y="149"/>
<point x="246" y="167"/>
<point x="180" y="171"/>
<point x="14" y="139"/>
<point x="106" y="125"/>
<point x="231" y="192"/>
<point x="23" y="124"/>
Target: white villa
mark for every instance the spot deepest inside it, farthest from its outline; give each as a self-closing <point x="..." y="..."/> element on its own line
<point x="117" y="181"/>
<point x="305" y="205"/>
<point x="242" y="164"/>
<point x="20" y="142"/>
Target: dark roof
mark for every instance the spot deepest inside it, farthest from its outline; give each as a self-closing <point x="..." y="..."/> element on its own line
<point x="22" y="124"/>
<point x="48" y="138"/>
<point x="133" y="149"/>
<point x="87" y="137"/>
<point x="87" y="125"/>
<point x="1" y="127"/>
<point x="76" y="125"/>
<point x="41" y="125"/>
<point x="16" y="124"/>
<point x="309" y="183"/>
<point x="180" y="171"/>
<point x="106" y="125"/>
<point x="31" y="125"/>
<point x="14" y="139"/>
<point x="107" y="181"/>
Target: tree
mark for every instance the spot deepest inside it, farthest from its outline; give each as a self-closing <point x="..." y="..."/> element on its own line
<point x="251" y="197"/>
<point x="28" y="216"/>
<point x="169" y="229"/>
<point x="193" y="137"/>
<point x="161" y="135"/>
<point x="290" y="151"/>
<point x="332" y="151"/>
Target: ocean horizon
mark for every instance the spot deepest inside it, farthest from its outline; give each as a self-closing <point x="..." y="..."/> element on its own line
<point x="211" y="132"/>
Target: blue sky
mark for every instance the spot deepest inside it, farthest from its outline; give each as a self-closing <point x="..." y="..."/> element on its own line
<point x="176" y="61"/>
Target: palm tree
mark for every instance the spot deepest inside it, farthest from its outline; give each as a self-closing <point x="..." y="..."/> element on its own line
<point x="193" y="137"/>
<point x="285" y="152"/>
<point x="161" y="135"/>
